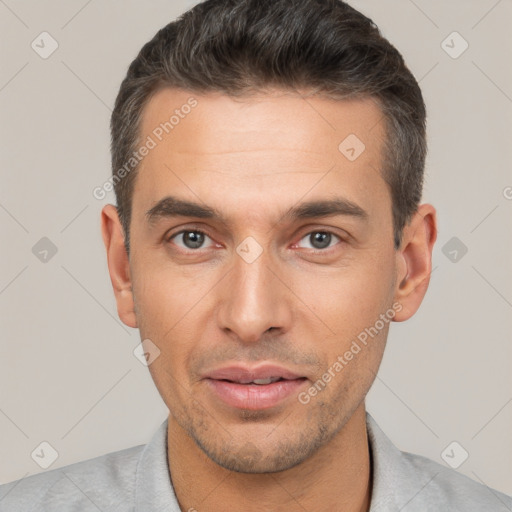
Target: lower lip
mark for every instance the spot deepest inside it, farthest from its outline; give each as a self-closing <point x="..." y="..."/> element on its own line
<point x="255" y="396"/>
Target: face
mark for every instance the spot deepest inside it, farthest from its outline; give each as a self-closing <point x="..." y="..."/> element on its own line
<point x="282" y="269"/>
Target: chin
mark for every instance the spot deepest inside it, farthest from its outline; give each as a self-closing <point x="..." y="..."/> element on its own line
<point x="267" y="457"/>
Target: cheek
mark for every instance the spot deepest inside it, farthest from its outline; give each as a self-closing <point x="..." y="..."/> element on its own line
<point x="350" y="302"/>
<point x="162" y="305"/>
<point x="349" y="298"/>
<point x="165" y="294"/>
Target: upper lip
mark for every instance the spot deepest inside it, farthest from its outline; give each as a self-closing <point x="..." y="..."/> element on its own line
<point x="243" y="374"/>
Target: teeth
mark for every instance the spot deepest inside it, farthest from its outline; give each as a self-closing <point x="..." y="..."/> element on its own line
<point x="269" y="380"/>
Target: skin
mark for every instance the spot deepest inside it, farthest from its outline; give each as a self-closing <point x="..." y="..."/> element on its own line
<point x="253" y="159"/>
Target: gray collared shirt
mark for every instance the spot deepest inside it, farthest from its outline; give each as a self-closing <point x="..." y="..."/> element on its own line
<point x="137" y="480"/>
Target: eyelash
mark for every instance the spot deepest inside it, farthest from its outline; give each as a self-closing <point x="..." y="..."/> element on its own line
<point x="314" y="251"/>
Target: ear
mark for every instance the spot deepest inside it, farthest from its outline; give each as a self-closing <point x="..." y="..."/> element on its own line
<point x="118" y="264"/>
<point x="414" y="261"/>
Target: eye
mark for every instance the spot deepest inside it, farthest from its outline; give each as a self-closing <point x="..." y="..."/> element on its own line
<point x="320" y="240"/>
<point x="190" y="238"/>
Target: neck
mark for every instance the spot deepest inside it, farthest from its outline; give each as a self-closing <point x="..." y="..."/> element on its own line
<point x="337" y="477"/>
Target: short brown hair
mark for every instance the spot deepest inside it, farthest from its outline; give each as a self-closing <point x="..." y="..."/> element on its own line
<point x="237" y="47"/>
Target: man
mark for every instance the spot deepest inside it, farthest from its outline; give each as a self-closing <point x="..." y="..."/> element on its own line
<point x="268" y="162"/>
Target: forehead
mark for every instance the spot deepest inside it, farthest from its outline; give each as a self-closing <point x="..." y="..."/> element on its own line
<point x="232" y="152"/>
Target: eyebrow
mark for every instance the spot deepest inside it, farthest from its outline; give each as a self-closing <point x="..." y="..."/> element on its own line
<point x="171" y="206"/>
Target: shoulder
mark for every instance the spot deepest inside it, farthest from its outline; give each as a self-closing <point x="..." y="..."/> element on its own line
<point x="101" y="483"/>
<point x="413" y="483"/>
<point x="442" y="488"/>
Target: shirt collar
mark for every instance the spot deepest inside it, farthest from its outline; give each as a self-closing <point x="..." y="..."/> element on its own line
<point x="153" y="487"/>
<point x="154" y="491"/>
<point x="385" y="460"/>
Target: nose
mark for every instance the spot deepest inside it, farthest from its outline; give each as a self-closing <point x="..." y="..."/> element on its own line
<point x="254" y="300"/>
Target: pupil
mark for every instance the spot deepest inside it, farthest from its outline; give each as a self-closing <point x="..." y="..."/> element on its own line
<point x="193" y="239"/>
<point x="321" y="240"/>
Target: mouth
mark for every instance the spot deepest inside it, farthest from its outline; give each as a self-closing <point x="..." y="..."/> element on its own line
<point x="256" y="388"/>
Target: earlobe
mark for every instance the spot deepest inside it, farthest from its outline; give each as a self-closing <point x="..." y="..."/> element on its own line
<point x="118" y="264"/>
<point x="414" y="261"/>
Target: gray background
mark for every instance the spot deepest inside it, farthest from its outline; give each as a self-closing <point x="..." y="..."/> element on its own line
<point x="68" y="375"/>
